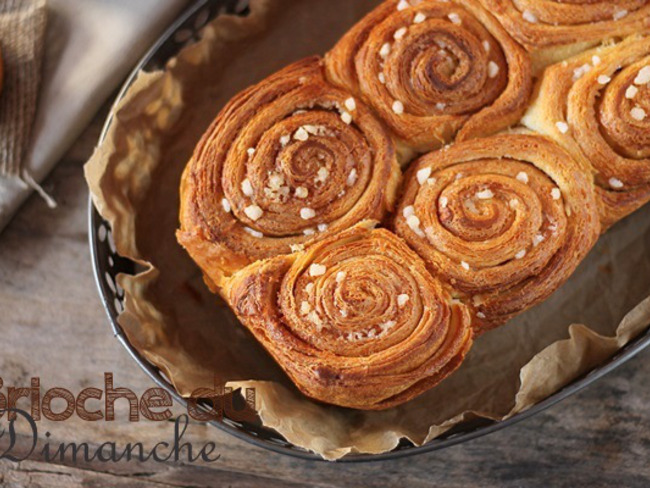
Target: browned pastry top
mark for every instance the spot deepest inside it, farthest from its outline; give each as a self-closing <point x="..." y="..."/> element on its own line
<point x="286" y="163"/>
<point x="547" y="23"/>
<point x="277" y="198"/>
<point x="356" y="320"/>
<point x="434" y="69"/>
<point x="597" y="105"/>
<point x="503" y="220"/>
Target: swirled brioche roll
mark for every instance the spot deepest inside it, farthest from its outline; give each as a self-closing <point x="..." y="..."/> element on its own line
<point x="286" y="163"/>
<point x="563" y="24"/>
<point x="433" y="70"/>
<point x="597" y="105"/>
<point x="356" y="320"/>
<point x="505" y="220"/>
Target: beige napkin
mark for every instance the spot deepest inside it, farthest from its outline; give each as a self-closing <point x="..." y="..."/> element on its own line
<point x="22" y="32"/>
<point x="90" y="47"/>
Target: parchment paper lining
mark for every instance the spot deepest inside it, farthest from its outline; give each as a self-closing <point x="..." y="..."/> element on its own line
<point x="178" y="325"/>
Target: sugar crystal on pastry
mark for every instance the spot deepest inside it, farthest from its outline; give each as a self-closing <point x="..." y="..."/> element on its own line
<point x="455" y="18"/>
<point x="255" y="233"/>
<point x="399" y="33"/>
<point x="522" y="176"/>
<point x="643" y="77"/>
<point x="616" y="183"/>
<point x="493" y="69"/>
<point x="619" y="14"/>
<point x="486" y="194"/>
<point x="253" y="212"/>
<point x="563" y="127"/>
<point x="529" y="16"/>
<point x="402" y="5"/>
<point x="317" y="269"/>
<point x="352" y="177"/>
<point x="423" y="175"/>
<point x="247" y="187"/>
<point x="638" y="113"/>
<point x="301" y="134"/>
<point x="226" y="205"/>
<point x="307" y="213"/>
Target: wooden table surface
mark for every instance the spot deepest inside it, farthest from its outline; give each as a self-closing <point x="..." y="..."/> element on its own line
<point x="53" y="327"/>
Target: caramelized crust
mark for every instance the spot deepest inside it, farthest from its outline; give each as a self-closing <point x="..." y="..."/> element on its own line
<point x="504" y="220"/>
<point x="596" y="105"/>
<point x="356" y="320"/>
<point x="285" y="164"/>
<point x="541" y="24"/>
<point x="279" y="200"/>
<point x="434" y="70"/>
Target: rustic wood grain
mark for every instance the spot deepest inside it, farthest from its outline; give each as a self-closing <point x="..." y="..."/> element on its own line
<point x="52" y="326"/>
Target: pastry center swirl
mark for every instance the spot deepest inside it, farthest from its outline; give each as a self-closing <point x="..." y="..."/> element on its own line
<point x="494" y="217"/>
<point x="621" y="122"/>
<point x="361" y="304"/>
<point x="304" y="171"/>
<point x="440" y="66"/>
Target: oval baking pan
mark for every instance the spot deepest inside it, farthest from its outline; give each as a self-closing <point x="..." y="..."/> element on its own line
<point x="108" y="264"/>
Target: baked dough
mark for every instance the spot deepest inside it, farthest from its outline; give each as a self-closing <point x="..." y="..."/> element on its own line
<point x="503" y="220"/>
<point x="434" y="71"/>
<point x="286" y="163"/>
<point x="356" y="320"/>
<point x="596" y="106"/>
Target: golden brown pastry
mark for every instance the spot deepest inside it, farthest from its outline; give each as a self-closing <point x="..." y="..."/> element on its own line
<point x="356" y="320"/>
<point x="597" y="105"/>
<point x="288" y="162"/>
<point x="555" y="29"/>
<point x="279" y="200"/>
<point x="434" y="69"/>
<point x="504" y="220"/>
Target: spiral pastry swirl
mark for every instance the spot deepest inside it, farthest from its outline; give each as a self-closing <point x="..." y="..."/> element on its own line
<point x="597" y="105"/>
<point x="504" y="220"/>
<point x="539" y="24"/>
<point x="286" y="163"/>
<point x="356" y="320"/>
<point x="433" y="70"/>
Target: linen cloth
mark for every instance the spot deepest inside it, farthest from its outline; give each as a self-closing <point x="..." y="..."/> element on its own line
<point x="90" y="46"/>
